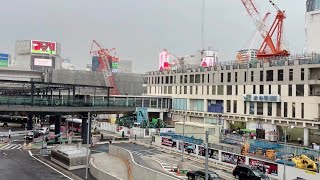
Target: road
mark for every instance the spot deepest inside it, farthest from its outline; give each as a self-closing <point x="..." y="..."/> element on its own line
<point x="16" y="164"/>
<point x="168" y="161"/>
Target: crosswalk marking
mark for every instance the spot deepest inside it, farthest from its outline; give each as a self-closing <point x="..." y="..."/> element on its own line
<point x="11" y="146"/>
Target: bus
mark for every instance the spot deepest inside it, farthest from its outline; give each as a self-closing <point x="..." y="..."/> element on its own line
<point x="7" y="120"/>
<point x="73" y="124"/>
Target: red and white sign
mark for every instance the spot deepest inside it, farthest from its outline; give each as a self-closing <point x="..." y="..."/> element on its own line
<point x="42" y="62"/>
<point x="164" y="60"/>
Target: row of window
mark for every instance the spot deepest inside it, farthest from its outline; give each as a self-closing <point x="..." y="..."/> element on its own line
<point x="219" y="90"/>
<point x="200" y="78"/>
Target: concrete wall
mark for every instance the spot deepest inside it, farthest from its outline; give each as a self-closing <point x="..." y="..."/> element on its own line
<point x="138" y="172"/>
<point x="98" y="173"/>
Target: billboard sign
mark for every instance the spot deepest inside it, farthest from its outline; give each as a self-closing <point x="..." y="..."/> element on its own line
<point x="164" y="60"/>
<point x="210" y="59"/>
<point x="263" y="166"/>
<point x="43" y="47"/>
<point x="42" y="62"/>
<point x="4" y="59"/>
<point x="232" y="158"/>
<point x="142" y="115"/>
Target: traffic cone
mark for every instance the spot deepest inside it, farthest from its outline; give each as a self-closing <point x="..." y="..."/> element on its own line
<point x="178" y="172"/>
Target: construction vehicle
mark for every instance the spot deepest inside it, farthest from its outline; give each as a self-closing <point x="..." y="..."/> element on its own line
<point x="105" y="61"/>
<point x="271" y="46"/>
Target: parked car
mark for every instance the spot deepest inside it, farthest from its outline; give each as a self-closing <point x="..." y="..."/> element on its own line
<point x="246" y="172"/>
<point x="193" y="175"/>
<point x="32" y="134"/>
<point x="52" y="127"/>
<point x="43" y="130"/>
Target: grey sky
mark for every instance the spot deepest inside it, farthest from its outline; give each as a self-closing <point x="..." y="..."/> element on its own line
<point x="139" y="29"/>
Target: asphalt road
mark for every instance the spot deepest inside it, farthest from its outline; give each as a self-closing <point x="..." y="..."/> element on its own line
<point x="18" y="164"/>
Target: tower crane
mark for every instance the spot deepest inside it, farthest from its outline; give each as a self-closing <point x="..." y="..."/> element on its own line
<point x="268" y="48"/>
<point x="105" y="59"/>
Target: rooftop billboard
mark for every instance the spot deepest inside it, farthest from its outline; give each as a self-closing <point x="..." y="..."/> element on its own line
<point x="42" y="62"/>
<point x="4" y="59"/>
<point x="43" y="47"/>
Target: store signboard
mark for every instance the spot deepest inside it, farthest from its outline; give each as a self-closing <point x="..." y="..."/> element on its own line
<point x="42" y="62"/>
<point x="261" y="98"/>
<point x="4" y="59"/>
<point x="43" y="47"/>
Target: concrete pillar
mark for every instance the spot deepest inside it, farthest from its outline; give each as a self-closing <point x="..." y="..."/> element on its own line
<point x="30" y="122"/>
<point x="305" y="136"/>
<point x="161" y="116"/>
<point x="57" y="126"/>
<point x="226" y="124"/>
<point x="84" y="129"/>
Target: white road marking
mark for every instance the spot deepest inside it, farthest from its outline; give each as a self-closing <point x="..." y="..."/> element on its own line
<point x="30" y="153"/>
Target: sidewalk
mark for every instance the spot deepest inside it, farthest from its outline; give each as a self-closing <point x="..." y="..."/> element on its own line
<point x="111" y="165"/>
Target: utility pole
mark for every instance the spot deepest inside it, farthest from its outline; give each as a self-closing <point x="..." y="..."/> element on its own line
<point x="184" y="123"/>
<point x="207" y="152"/>
<point x="88" y="129"/>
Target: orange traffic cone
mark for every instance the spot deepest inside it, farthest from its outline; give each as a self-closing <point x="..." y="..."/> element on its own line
<point x="178" y="172"/>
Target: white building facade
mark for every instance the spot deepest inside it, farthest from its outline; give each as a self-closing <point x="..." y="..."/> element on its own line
<point x="269" y="96"/>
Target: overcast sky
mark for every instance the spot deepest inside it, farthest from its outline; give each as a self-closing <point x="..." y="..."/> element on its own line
<point x="140" y="29"/>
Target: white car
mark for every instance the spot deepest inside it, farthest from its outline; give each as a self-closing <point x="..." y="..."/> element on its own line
<point x="52" y="127"/>
<point x="43" y="130"/>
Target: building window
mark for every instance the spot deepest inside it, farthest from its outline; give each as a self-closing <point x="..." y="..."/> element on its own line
<point x="236" y="77"/>
<point x="158" y="81"/>
<point x="290" y="90"/>
<point x="197" y="80"/>
<point x="229" y="90"/>
<point x="181" y="79"/>
<point x="293" y="110"/>
<point x="259" y="108"/>
<point x="208" y="79"/>
<point x="228" y="106"/>
<point x="196" y="90"/>
<point x="202" y="78"/>
<point x="221" y="77"/>
<point x="254" y="89"/>
<point x="299" y="90"/>
<point x="270" y="90"/>
<point x="251" y="108"/>
<point x="244" y="89"/>
<point x="169" y="89"/>
<point x="261" y="89"/>
<point x="213" y="78"/>
<point x="165" y="89"/>
<point x="252" y="76"/>
<point x="279" y="89"/>
<point x="285" y="109"/>
<point x="270" y="75"/>
<point x="302" y="74"/>
<point x="278" y="109"/>
<point x="191" y="78"/>
<point x="245" y="76"/>
<point x="261" y="75"/>
<point x="280" y="75"/>
<point x="220" y="89"/>
<point x="229" y="76"/>
<point x="302" y="110"/>
<point x="185" y="90"/>
<point x="213" y="90"/>
<point x="234" y="106"/>
<point x="181" y="89"/>
<point x="185" y="78"/>
<point x="191" y="87"/>
<point x="269" y="109"/>
<point x="245" y="108"/>
<point x="208" y="90"/>
<point x="290" y="74"/>
<point x="162" y="80"/>
<point x="236" y="89"/>
<point x="175" y="79"/>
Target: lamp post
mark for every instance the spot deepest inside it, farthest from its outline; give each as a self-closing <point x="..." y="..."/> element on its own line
<point x="88" y="129"/>
<point x="285" y="144"/>
<point x="184" y="122"/>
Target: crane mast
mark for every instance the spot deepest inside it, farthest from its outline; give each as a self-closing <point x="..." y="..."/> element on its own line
<point x="105" y="59"/>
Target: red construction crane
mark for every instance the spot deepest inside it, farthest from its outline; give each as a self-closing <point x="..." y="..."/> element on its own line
<point x="268" y="49"/>
<point x="105" y="61"/>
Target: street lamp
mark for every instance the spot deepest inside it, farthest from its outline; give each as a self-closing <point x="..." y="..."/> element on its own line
<point x="285" y="143"/>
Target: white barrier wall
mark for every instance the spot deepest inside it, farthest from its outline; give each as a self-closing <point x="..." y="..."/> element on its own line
<point x="230" y="160"/>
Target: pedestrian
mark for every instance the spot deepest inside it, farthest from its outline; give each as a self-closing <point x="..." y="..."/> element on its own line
<point x="9" y="133"/>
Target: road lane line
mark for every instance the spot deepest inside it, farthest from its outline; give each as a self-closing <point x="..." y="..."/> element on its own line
<point x="30" y="153"/>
